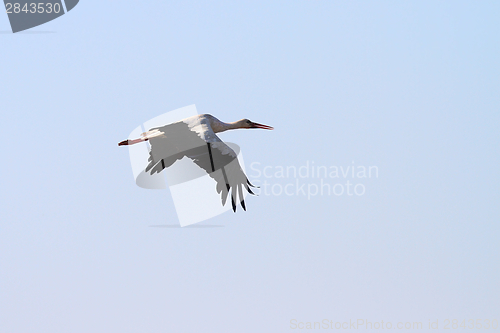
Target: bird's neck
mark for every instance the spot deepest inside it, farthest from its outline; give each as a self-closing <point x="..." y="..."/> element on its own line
<point x="219" y="126"/>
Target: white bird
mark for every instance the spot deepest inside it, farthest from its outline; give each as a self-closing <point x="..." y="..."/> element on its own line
<point x="195" y="138"/>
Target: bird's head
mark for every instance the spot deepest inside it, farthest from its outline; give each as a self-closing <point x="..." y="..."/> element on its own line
<point x="246" y="123"/>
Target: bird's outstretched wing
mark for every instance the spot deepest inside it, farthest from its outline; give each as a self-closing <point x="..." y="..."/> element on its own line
<point x="171" y="143"/>
<point x="221" y="163"/>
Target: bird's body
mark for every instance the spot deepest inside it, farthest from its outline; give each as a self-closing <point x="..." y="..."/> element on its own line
<point x="195" y="138"/>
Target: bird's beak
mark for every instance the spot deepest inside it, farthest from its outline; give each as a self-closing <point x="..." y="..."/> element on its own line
<point x="257" y="125"/>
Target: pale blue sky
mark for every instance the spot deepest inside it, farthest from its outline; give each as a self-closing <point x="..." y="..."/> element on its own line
<point x="410" y="87"/>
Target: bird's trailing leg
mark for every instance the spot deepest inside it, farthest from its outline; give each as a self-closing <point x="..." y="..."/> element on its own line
<point x="132" y="142"/>
<point x="144" y="137"/>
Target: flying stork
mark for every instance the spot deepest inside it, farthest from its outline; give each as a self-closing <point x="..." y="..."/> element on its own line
<point x="195" y="138"/>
